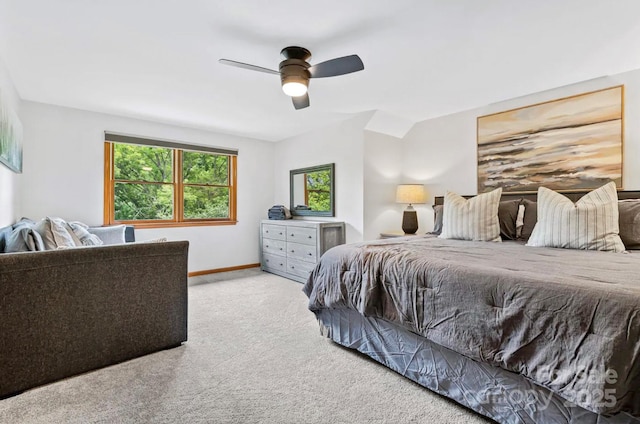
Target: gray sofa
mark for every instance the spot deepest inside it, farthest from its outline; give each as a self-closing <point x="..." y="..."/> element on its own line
<point x="65" y="312"/>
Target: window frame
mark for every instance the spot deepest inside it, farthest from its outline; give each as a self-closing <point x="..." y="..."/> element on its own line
<point x="178" y="184"/>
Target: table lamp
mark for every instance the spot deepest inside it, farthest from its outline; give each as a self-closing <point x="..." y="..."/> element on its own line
<point x="410" y="193"/>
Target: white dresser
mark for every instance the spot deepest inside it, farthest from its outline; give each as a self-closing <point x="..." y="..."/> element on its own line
<point x="291" y="248"/>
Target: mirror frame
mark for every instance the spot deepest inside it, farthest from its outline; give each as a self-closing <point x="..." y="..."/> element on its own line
<point x="332" y="171"/>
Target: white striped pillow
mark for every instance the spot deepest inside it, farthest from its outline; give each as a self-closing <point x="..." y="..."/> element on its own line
<point x="591" y="223"/>
<point x="471" y="219"/>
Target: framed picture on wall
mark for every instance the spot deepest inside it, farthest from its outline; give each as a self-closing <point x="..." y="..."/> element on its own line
<point x="10" y="137"/>
<point x="571" y="143"/>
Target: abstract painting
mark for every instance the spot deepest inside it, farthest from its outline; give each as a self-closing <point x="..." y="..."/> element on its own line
<point x="10" y="137"/>
<point x="571" y="143"/>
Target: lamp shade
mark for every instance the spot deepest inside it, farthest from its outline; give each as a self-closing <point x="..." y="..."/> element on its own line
<point x="411" y="193"/>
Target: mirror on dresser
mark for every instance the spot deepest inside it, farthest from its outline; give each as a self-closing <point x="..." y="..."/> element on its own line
<point x="312" y="190"/>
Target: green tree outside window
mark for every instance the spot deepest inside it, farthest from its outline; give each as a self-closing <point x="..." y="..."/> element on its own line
<point x="318" y="190"/>
<point x="150" y="182"/>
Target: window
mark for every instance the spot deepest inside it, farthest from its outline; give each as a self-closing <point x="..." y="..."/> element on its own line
<point x="317" y="190"/>
<point x="153" y="183"/>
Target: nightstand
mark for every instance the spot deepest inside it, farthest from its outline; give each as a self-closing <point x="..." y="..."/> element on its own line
<point x="393" y="234"/>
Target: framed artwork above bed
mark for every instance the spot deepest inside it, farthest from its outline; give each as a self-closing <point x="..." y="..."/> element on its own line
<point x="572" y="143"/>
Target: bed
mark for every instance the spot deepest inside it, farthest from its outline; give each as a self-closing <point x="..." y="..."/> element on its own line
<point x="515" y="333"/>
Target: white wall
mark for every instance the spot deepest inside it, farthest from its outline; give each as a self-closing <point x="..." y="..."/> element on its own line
<point x="441" y="152"/>
<point x="342" y="144"/>
<point x="368" y="169"/>
<point x="64" y="171"/>
<point x="9" y="180"/>
<point x="382" y="173"/>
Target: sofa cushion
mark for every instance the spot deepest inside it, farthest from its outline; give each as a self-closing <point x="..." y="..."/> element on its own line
<point x="113" y="234"/>
<point x="54" y="233"/>
<point x="4" y="234"/>
<point x="81" y="231"/>
<point x="23" y="238"/>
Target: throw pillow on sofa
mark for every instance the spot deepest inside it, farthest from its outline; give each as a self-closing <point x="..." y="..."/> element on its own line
<point x="5" y="232"/>
<point x="54" y="233"/>
<point x="113" y="234"/>
<point x="81" y="231"/>
<point x="23" y="238"/>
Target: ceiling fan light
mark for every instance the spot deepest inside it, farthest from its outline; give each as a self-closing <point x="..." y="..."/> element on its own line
<point x="294" y="89"/>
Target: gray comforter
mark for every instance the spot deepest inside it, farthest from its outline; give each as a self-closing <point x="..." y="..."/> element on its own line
<point x="568" y="320"/>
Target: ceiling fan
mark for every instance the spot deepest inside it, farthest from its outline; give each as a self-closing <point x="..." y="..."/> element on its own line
<point x="295" y="71"/>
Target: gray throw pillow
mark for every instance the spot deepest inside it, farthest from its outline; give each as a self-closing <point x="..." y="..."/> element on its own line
<point x="437" y="219"/>
<point x="629" y="211"/>
<point x="507" y="215"/>
<point x="530" y="218"/>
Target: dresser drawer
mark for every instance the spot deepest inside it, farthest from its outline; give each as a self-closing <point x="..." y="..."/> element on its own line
<point x="291" y="248"/>
<point x="274" y="247"/>
<point x="303" y="252"/>
<point x="278" y="263"/>
<point x="299" y="268"/>
<point x="302" y="235"/>
<point x="272" y="231"/>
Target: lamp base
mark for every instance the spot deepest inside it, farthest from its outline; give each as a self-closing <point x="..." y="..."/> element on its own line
<point x="410" y="221"/>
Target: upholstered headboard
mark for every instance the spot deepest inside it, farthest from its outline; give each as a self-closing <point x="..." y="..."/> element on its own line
<point x="573" y="195"/>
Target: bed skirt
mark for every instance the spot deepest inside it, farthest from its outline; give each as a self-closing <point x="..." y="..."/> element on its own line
<point x="493" y="392"/>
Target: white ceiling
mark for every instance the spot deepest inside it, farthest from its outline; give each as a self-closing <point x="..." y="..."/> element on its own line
<point x="158" y="59"/>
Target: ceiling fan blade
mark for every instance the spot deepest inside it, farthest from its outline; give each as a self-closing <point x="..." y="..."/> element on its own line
<point x="301" y="102"/>
<point x="248" y="66"/>
<point x="338" y="66"/>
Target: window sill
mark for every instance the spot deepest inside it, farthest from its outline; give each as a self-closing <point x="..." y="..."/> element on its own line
<point x="172" y="224"/>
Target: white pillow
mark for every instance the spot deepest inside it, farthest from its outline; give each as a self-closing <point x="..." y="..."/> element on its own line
<point x="471" y="219"/>
<point x="591" y="223"/>
<point x="80" y="230"/>
<point x="111" y="234"/>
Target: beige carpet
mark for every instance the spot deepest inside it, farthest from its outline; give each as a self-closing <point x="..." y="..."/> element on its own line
<point x="254" y="355"/>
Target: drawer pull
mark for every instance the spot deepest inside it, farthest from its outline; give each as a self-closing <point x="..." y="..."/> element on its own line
<point x="293" y="251"/>
<point x="266" y="231"/>
<point x="266" y="260"/>
<point x="281" y="264"/>
<point x="280" y="233"/>
<point x="281" y="248"/>
<point x="310" y="254"/>
<point x="292" y="267"/>
<point x="310" y="237"/>
<point x="266" y="245"/>
<point x="293" y="235"/>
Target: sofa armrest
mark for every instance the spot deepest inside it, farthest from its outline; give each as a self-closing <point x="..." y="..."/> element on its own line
<point x="65" y="312"/>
